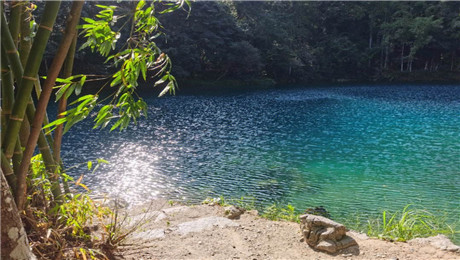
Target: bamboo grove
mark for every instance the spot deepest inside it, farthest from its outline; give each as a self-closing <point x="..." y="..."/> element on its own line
<point x="26" y="93"/>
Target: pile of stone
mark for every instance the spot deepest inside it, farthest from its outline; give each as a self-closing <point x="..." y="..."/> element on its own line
<point x="324" y="234"/>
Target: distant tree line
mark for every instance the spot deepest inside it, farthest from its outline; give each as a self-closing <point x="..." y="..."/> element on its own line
<point x="298" y="42"/>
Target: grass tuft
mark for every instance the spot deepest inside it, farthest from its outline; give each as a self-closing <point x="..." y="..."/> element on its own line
<point x="277" y="212"/>
<point x="409" y="223"/>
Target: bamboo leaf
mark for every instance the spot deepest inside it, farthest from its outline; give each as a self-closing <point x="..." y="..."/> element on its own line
<point x="79" y="180"/>
<point x="90" y="165"/>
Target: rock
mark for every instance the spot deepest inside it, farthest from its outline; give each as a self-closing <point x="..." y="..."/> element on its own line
<point x="358" y="235"/>
<point x="149" y="234"/>
<point x="160" y="217"/>
<point x="324" y="234"/>
<point x="440" y="241"/>
<point x="319" y="211"/>
<point x="253" y="212"/>
<point x="233" y="212"/>
<point x="203" y="224"/>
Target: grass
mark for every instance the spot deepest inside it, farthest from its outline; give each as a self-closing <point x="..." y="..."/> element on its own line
<point x="409" y="223"/>
<point x="278" y="212"/>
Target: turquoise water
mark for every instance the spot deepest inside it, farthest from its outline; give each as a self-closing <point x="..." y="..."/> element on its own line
<point x="353" y="149"/>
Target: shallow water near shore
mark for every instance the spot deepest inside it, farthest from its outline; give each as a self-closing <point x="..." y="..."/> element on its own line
<point x="351" y="149"/>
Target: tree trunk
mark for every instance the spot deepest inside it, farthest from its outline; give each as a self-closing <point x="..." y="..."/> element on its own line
<point x="15" y="245"/>
<point x="402" y="58"/>
<point x="385" y="66"/>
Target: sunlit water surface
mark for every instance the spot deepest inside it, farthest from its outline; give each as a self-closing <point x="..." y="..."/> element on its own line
<point x="353" y="150"/>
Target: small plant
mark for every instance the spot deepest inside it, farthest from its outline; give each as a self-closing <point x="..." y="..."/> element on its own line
<point x="65" y="226"/>
<point x="77" y="213"/>
<point x="277" y="212"/>
<point x="213" y="201"/>
<point x="247" y="203"/>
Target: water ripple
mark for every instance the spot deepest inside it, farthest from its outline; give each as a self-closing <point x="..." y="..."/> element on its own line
<point x="349" y="148"/>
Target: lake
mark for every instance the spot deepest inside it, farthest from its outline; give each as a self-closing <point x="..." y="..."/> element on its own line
<point x="351" y="149"/>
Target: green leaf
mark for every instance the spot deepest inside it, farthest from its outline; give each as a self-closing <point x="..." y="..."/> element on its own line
<point x="90" y="165"/>
<point x="118" y="123"/>
<point x="67" y="80"/>
<point x="161" y="81"/>
<point x="100" y="160"/>
<point x="61" y="91"/>
<point x="166" y="89"/>
<point x="82" y="98"/>
<point x="140" y="5"/>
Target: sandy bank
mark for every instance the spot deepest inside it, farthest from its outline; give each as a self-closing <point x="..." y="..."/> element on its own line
<point x="202" y="232"/>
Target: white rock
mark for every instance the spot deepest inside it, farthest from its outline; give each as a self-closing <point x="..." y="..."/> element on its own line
<point x="203" y="224"/>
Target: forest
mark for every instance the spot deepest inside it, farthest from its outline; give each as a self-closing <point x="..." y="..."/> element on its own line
<point x="86" y="65"/>
<point x="304" y="42"/>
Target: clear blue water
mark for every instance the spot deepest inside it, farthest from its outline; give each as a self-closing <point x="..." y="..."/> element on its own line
<point x="350" y="149"/>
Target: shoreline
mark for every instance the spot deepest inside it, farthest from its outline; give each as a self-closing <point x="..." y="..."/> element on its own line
<point x="177" y="231"/>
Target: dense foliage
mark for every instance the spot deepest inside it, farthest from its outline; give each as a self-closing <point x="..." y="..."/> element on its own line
<point x="300" y="42"/>
<point x="315" y="41"/>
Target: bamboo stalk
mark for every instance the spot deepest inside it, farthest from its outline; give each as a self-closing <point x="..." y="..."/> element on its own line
<point x="38" y="92"/>
<point x="25" y="41"/>
<point x="27" y="81"/>
<point x="62" y="106"/>
<point x="8" y="172"/>
<point x="15" y="20"/>
<point x="43" y="145"/>
<point x="7" y="91"/>
<point x="24" y="48"/>
<point x="7" y="104"/>
<point x="10" y="49"/>
<point x="36" y="125"/>
<point x="45" y="150"/>
<point x="17" y="155"/>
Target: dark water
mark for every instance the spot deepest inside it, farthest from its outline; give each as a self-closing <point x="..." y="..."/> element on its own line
<point x="351" y="149"/>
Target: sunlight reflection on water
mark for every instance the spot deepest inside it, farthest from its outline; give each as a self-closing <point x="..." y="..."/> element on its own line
<point x="347" y="148"/>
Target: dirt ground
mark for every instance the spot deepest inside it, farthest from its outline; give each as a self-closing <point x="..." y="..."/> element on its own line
<point x="202" y="232"/>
